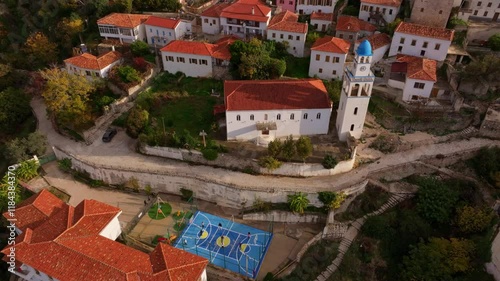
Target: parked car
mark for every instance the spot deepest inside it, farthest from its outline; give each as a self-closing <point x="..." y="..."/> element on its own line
<point x="109" y="134"/>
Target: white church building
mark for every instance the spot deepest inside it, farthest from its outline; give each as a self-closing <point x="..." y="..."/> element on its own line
<point x="355" y="95"/>
<point x="262" y="110"/>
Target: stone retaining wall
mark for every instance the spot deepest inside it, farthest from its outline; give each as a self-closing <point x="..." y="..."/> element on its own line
<point x="284" y="216"/>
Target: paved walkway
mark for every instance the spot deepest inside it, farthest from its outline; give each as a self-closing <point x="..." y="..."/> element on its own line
<point x="120" y="153"/>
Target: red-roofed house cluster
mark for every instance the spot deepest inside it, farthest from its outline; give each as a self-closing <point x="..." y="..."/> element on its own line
<point x="61" y="242"/>
<point x="285" y="27"/>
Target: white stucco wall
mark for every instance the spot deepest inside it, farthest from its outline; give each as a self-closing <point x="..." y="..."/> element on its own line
<point x="103" y="73"/>
<point x="165" y="35"/>
<point x="327" y="67"/>
<point x="352" y="110"/>
<point x="190" y="69"/>
<point x="296" y="47"/>
<point x="212" y="26"/>
<point x="408" y="49"/>
<point x="410" y="90"/>
<point x="321" y="24"/>
<point x="204" y="275"/>
<point x="245" y="128"/>
<point x="113" y="229"/>
<point x="308" y="9"/>
<point x="32" y="275"/>
<point x="389" y="15"/>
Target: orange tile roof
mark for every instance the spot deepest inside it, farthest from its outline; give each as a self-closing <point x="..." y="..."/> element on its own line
<point x="253" y="10"/>
<point x="33" y="211"/>
<point x="123" y="20"/>
<point x="353" y="24"/>
<point x="425" y="31"/>
<point x="275" y="94"/>
<point x="215" y="10"/>
<point x="322" y="16"/>
<point x="377" y="40"/>
<point x="393" y="3"/>
<point x="332" y="45"/>
<point x="89" y="61"/>
<point x="162" y="22"/>
<point x="219" y="50"/>
<point x="287" y="21"/>
<point x="67" y="246"/>
<point x="419" y="68"/>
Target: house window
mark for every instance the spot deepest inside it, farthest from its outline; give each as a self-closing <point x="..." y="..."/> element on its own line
<point x="371" y="8"/>
<point x="265" y="116"/>
<point x="400" y="49"/>
<point x="179" y="59"/>
<point x="350" y="37"/>
<point x="305" y="116"/>
<point x="278" y="117"/>
<point x="292" y="116"/>
<point x="317" y="57"/>
<point x="297" y="38"/>
<point x="150" y="30"/>
<point x="485" y="14"/>
<point x="425" y="44"/>
<point x="214" y="22"/>
<point x="475" y="12"/>
<point x="193" y="61"/>
<point x="205" y="62"/>
<point x="355" y="111"/>
<point x="281" y="36"/>
<point x="290" y="37"/>
<point x="362" y="60"/>
<point x="164" y="33"/>
<point x="422" y="53"/>
<point x="437" y="46"/>
<point x="352" y="127"/>
<point x="327" y="58"/>
<point x="320" y="70"/>
<point x="489" y="5"/>
<point x="422" y="10"/>
<point x="479" y="3"/>
<point x="251" y="117"/>
<point x="402" y="40"/>
<point x="341" y="36"/>
<point x="334" y="72"/>
<point x="274" y="35"/>
<point x="413" y="42"/>
<point x="419" y="85"/>
<point x="440" y="12"/>
<point x="170" y="58"/>
<point x="365" y="8"/>
<point x="238" y="118"/>
<point x="318" y="116"/>
<point x="87" y="72"/>
<point x="335" y="59"/>
<point x="383" y="10"/>
<point x="390" y="11"/>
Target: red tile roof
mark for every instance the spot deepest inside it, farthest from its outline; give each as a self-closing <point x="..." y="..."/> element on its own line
<point x="67" y="246"/>
<point x="393" y="3"/>
<point x="353" y="24"/>
<point x="425" y="31"/>
<point x="377" y="40"/>
<point x="162" y="22"/>
<point x="33" y="211"/>
<point x="215" y="10"/>
<point x="287" y="21"/>
<point x="332" y="45"/>
<point x="123" y="20"/>
<point x="89" y="61"/>
<point x="275" y="94"/>
<point x="322" y="16"/>
<point x="253" y="10"/>
<point x="417" y="67"/>
<point x="219" y="50"/>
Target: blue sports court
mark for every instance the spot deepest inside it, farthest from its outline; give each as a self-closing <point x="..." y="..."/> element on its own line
<point x="225" y="243"/>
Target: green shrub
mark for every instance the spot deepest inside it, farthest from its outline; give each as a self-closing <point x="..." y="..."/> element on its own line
<point x="269" y="277"/>
<point x="139" y="48"/>
<point x="65" y="164"/>
<point x="136" y="121"/>
<point x="329" y="162"/>
<point x="186" y="194"/>
<point x="494" y="42"/>
<point x="269" y="163"/>
<point x="121" y="121"/>
<point x="27" y="170"/>
<point x="210" y="154"/>
<point x="103" y="101"/>
<point x="147" y="189"/>
<point x="128" y="74"/>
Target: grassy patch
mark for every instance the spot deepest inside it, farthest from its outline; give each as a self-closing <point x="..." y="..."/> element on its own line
<point x="297" y="67"/>
<point x="166" y="209"/>
<point x="380" y="106"/>
<point x="369" y="201"/>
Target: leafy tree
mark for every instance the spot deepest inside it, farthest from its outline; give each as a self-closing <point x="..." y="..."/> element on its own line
<point x="270" y="163"/>
<point x="312" y="37"/>
<point x="18" y="150"/>
<point x="14" y="109"/>
<point x="157" y="5"/>
<point x="472" y="219"/>
<point x="494" y="42"/>
<point x="274" y="148"/>
<point x="68" y="28"/>
<point x="9" y="185"/>
<point x="329" y="162"/>
<point x="334" y="89"/>
<point x="128" y="74"/>
<point x="298" y="202"/>
<point x="439" y="259"/>
<point x="121" y="6"/>
<point x="276" y="68"/>
<point x="39" y="50"/>
<point x="487" y="164"/>
<point x="27" y="170"/>
<point x="140" y="48"/>
<point x="288" y="149"/>
<point x="487" y="68"/>
<point x="351" y="11"/>
<point x="391" y="27"/>
<point x="435" y="200"/>
<point x="304" y="147"/>
<point x="67" y="96"/>
<point x="331" y="200"/>
<point x="136" y="121"/>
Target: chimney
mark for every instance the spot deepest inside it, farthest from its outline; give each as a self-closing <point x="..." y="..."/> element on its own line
<point x="112" y="48"/>
<point x="253" y="11"/>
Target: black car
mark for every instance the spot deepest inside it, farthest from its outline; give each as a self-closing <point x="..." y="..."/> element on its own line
<point x="109" y="134"/>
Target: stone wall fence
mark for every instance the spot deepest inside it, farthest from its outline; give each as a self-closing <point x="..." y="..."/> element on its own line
<point x="284" y="216"/>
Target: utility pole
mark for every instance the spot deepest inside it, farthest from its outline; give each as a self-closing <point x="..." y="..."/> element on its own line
<point x="203" y="135"/>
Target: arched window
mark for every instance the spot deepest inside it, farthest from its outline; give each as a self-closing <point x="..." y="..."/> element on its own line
<point x="265" y="116"/>
<point x="355" y="111"/>
<point x="278" y="117"/>
<point x="292" y="116"/>
<point x="238" y="118"/>
<point x="251" y="117"/>
<point x="305" y="116"/>
<point x="352" y="127"/>
<point x="362" y="60"/>
<point x="318" y="116"/>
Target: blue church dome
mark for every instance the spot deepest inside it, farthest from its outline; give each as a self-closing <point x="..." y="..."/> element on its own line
<point x="364" y="49"/>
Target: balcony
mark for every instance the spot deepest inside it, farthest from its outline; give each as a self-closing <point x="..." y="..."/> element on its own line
<point x="243" y="22"/>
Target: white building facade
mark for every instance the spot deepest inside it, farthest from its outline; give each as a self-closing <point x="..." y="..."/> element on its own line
<point x="160" y="31"/>
<point x="421" y="41"/>
<point x="245" y="18"/>
<point x="127" y="28"/>
<point x="285" y="27"/>
<point x="307" y="7"/>
<point x="93" y="67"/>
<point x="328" y="56"/>
<point x="210" y="19"/>
<point x="476" y="9"/>
<point x="355" y="95"/>
<point x="387" y="9"/>
<point x="321" y="21"/>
